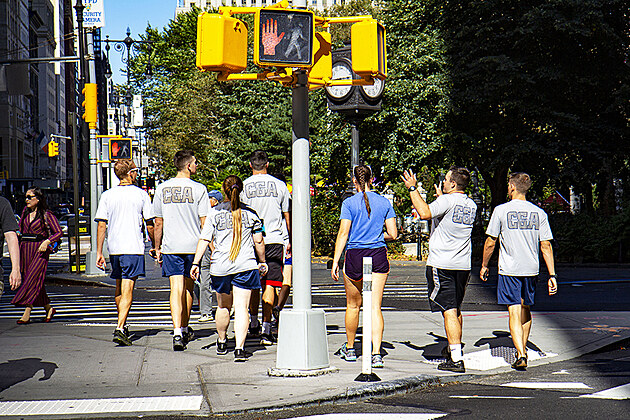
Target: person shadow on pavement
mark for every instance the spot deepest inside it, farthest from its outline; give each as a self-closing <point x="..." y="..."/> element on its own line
<point x="137" y="335"/>
<point x="13" y="372"/>
<point x="431" y="352"/>
<point x="501" y="345"/>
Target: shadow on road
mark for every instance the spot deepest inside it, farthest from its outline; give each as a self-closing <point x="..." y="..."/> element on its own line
<point x="13" y="372"/>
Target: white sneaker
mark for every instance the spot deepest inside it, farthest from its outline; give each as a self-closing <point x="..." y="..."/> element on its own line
<point x="206" y="318"/>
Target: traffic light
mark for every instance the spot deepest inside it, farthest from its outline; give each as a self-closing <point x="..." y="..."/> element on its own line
<point x="119" y="149"/>
<point x="369" y="58"/>
<point x="284" y="38"/>
<point x="90" y="105"/>
<point x="322" y="61"/>
<point x="221" y="43"/>
<point x="53" y="148"/>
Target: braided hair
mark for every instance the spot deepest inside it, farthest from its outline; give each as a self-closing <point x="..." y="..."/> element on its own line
<point x="363" y="175"/>
<point x="232" y="186"/>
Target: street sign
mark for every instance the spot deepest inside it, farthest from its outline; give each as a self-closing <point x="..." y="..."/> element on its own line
<point x="284" y="38"/>
<point x="120" y="149"/>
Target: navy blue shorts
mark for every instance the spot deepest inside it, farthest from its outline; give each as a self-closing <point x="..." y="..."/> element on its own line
<point x="246" y="280"/>
<point x="126" y="266"/>
<point x="177" y="264"/>
<point x="353" y="266"/>
<point x="511" y="289"/>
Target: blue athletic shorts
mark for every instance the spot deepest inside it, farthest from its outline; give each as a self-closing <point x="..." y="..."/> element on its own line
<point x="126" y="266"/>
<point x="245" y="280"/>
<point x="177" y="264"/>
<point x="511" y="289"/>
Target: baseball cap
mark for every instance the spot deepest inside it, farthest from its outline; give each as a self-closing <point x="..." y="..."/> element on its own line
<point x="216" y="194"/>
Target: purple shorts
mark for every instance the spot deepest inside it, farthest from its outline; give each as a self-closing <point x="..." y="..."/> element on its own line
<point x="353" y="266"/>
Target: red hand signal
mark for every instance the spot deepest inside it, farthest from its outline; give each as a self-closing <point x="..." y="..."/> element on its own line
<point x="115" y="149"/>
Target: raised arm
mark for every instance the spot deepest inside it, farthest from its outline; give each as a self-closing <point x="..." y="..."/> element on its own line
<point x="421" y="206"/>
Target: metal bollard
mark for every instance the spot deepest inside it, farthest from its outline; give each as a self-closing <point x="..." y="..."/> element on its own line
<point x="366" y="367"/>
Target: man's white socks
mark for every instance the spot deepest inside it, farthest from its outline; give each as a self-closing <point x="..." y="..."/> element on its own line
<point x="456" y="352"/>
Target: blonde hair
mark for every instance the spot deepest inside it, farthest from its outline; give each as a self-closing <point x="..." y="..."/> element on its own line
<point x="122" y="167"/>
<point x="232" y="186"/>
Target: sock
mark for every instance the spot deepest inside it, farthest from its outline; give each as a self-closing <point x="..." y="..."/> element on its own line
<point x="120" y="329"/>
<point x="177" y="331"/>
<point x="266" y="328"/>
<point x="456" y="352"/>
<point x="222" y="341"/>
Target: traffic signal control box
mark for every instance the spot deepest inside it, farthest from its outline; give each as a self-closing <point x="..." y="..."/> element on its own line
<point x="322" y="60"/>
<point x="221" y="43"/>
<point x="284" y="38"/>
<point x="119" y="148"/>
<point x="53" y="148"/>
<point x="90" y="104"/>
<point x="369" y="58"/>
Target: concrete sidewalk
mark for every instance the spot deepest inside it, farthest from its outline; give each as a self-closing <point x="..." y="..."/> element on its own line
<point x="82" y="363"/>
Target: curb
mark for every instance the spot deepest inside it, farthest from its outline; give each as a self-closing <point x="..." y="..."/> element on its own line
<point x="381" y="389"/>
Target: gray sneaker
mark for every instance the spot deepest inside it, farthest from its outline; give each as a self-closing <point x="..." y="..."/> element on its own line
<point x="377" y="361"/>
<point x="348" y="353"/>
<point x="121" y="338"/>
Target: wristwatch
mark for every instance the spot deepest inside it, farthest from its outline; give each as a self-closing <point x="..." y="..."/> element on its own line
<point x="412" y="188"/>
<point x="197" y="264"/>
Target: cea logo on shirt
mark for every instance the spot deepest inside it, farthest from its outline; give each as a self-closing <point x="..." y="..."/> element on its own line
<point x="463" y="215"/>
<point x="177" y="195"/>
<point x="261" y="189"/>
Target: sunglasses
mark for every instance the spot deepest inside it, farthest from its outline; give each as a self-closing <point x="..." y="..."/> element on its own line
<point x="30" y="197"/>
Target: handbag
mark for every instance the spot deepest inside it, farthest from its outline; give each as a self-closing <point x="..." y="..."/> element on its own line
<point x="54" y="246"/>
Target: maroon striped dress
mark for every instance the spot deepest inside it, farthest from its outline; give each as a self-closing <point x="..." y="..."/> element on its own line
<point x="33" y="264"/>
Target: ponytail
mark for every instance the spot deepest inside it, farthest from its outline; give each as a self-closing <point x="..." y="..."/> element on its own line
<point x="363" y="175"/>
<point x="232" y="186"/>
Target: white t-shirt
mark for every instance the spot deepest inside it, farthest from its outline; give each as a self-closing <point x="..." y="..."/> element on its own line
<point x="123" y="208"/>
<point x="218" y="229"/>
<point x="269" y="198"/>
<point x="520" y="226"/>
<point x="450" y="247"/>
<point x="180" y="202"/>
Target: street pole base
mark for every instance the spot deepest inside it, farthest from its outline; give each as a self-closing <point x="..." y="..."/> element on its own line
<point x="302" y="341"/>
<point x="367" y="377"/>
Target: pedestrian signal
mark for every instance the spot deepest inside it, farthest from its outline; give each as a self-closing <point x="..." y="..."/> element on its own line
<point x="369" y="58"/>
<point x="119" y="149"/>
<point x="322" y="60"/>
<point x="90" y="104"/>
<point x="221" y="43"/>
<point x="284" y="38"/>
<point x="53" y="148"/>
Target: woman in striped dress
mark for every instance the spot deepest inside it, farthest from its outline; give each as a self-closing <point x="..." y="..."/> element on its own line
<point x="39" y="228"/>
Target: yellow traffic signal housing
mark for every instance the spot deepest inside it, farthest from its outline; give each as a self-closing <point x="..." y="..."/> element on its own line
<point x="221" y="43"/>
<point x="90" y="104"/>
<point x="284" y="38"/>
<point x="119" y="148"/>
<point x="53" y="148"/>
<point x="322" y="59"/>
<point x="369" y="57"/>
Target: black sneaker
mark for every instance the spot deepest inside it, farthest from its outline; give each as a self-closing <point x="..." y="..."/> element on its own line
<point x="126" y="330"/>
<point x="121" y="338"/>
<point x="267" y="339"/>
<point x="189" y="335"/>
<point x="221" y="347"/>
<point x="452" y="366"/>
<point x="254" y="331"/>
<point x="178" y="343"/>
<point x="520" y="363"/>
<point x="240" y="355"/>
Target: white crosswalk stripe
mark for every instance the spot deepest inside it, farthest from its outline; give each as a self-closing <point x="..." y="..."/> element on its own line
<point x="398" y="291"/>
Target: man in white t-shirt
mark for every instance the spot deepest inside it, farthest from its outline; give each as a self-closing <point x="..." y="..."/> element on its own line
<point x="269" y="197"/>
<point x="450" y="250"/>
<point x="180" y="206"/>
<point x="122" y="212"/>
<point x="522" y="229"/>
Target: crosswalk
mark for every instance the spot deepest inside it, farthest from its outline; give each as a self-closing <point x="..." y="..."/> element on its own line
<point x="395" y="290"/>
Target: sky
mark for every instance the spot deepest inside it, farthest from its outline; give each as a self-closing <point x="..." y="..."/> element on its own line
<point x="135" y="14"/>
